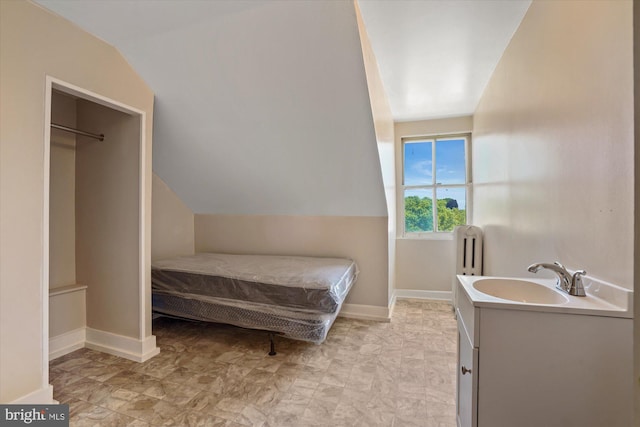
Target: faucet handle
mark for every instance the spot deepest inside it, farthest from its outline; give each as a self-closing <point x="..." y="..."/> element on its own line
<point x="577" y="289"/>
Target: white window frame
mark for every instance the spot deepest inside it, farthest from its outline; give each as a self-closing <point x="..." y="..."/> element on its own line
<point x="436" y="235"/>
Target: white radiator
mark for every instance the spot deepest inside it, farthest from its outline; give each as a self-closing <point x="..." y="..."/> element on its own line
<point x="468" y="243"/>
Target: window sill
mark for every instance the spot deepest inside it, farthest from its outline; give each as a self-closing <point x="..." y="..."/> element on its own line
<point x="448" y="235"/>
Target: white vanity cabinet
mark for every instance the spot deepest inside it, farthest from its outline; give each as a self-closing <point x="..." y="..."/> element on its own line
<point x="467" y="372"/>
<point x="467" y="380"/>
<point x="529" y="368"/>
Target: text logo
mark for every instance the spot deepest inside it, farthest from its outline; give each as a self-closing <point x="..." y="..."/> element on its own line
<point x="34" y="415"/>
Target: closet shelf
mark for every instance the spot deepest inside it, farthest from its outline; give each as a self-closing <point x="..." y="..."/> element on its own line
<point x="66" y="289"/>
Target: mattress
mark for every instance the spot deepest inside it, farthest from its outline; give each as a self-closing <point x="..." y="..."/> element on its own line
<point x="297" y="297"/>
<point x="303" y="283"/>
<point x="299" y="325"/>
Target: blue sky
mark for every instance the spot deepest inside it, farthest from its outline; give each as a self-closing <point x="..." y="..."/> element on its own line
<point x="449" y="157"/>
<point x="418" y="164"/>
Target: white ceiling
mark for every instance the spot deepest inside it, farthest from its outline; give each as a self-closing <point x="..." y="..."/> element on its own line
<point x="436" y="56"/>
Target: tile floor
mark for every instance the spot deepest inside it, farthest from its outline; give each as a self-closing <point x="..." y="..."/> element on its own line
<point x="366" y="373"/>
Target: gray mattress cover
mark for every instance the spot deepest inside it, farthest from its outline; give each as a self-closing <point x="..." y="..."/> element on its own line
<point x="291" y="323"/>
<point x="309" y="283"/>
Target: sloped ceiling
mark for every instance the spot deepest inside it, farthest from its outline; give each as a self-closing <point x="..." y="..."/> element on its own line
<point x="261" y="107"/>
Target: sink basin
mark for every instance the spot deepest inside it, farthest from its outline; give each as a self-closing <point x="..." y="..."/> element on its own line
<point x="520" y="291"/>
<point x="535" y="294"/>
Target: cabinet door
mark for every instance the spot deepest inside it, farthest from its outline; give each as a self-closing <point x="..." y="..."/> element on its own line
<point x="467" y="413"/>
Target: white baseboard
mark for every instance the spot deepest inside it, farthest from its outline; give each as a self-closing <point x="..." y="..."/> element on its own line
<point x="420" y="294"/>
<point x="43" y="396"/>
<point x="66" y="343"/>
<point x="119" y="345"/>
<point x="366" y="312"/>
<point x="392" y="303"/>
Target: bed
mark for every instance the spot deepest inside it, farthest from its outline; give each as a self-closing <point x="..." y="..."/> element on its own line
<point x="297" y="297"/>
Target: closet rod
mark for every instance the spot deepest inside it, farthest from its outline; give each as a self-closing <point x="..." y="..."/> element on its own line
<point x="79" y="132"/>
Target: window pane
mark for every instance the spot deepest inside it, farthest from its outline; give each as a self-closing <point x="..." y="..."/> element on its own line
<point x="418" y="211"/>
<point x="418" y="163"/>
<point x="450" y="167"/>
<point x="452" y="208"/>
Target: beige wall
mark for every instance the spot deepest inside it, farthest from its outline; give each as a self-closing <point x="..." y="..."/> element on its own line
<point x="424" y="264"/>
<point x="107" y="233"/>
<point x="62" y="196"/>
<point x="553" y="143"/>
<point x="35" y="43"/>
<point x="171" y="223"/>
<point x="67" y="312"/>
<point x="383" y="125"/>
<point x="636" y="247"/>
<point x="363" y="239"/>
<point x="432" y="127"/>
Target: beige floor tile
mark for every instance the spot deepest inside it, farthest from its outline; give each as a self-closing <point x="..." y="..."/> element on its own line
<point x="140" y="407"/>
<point x="204" y="401"/>
<point x="101" y="417"/>
<point x="349" y="412"/>
<point x="77" y="407"/>
<point x="294" y="404"/>
<point x="253" y="416"/>
<point x="283" y="382"/>
<point x="303" y="387"/>
<point x="63" y="380"/>
<point x="99" y="393"/>
<point x="117" y="420"/>
<point x="72" y="364"/>
<point x="165" y="414"/>
<point x="328" y="393"/>
<point x="198" y="419"/>
<point x="412" y="408"/>
<point x="118" y="399"/>
<point x="400" y="373"/>
<point x="267" y="397"/>
<point x="402" y="421"/>
<point x="269" y="364"/>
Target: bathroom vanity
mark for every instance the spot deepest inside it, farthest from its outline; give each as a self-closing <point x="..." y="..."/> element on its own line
<point x="531" y="356"/>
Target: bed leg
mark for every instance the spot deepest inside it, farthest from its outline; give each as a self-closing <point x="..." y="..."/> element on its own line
<point x="273" y="345"/>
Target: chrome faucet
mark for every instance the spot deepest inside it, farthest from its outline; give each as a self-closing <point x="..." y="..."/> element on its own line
<point x="566" y="282"/>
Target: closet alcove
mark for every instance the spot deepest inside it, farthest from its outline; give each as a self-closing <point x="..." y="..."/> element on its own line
<point x="94" y="227"/>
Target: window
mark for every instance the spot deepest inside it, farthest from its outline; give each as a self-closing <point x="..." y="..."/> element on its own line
<point x="435" y="184"/>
